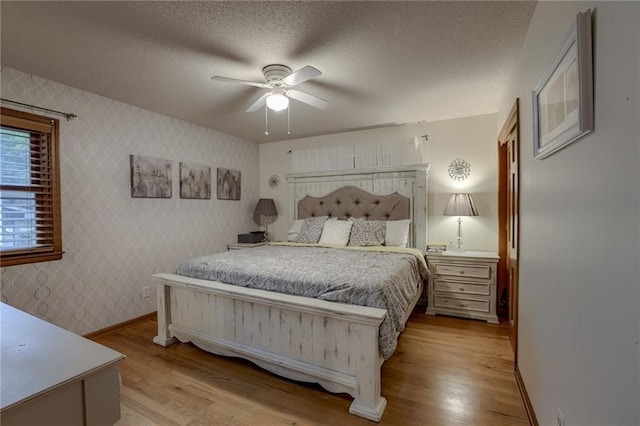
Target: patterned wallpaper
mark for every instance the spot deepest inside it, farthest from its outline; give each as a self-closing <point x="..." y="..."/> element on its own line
<point x="113" y="242"/>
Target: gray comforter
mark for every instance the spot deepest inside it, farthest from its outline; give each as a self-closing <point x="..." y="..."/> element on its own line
<point x="386" y="280"/>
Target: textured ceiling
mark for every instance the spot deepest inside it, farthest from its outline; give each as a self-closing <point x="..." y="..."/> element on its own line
<point x="383" y="63"/>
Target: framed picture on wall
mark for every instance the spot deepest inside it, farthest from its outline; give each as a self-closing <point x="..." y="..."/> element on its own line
<point x="195" y="181"/>
<point x="150" y="177"/>
<point x="228" y="184"/>
<point x="563" y="99"/>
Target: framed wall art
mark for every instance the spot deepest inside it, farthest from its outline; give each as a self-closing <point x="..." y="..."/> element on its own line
<point x="228" y="184"/>
<point x="195" y="181"/>
<point x="150" y="177"/>
<point x="563" y="99"/>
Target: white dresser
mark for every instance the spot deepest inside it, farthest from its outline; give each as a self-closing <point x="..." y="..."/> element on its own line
<point x="54" y="377"/>
<point x="463" y="284"/>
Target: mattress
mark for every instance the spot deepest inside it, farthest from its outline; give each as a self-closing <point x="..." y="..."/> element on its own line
<point x="379" y="277"/>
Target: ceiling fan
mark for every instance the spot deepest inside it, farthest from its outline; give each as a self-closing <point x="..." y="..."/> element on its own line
<point x="280" y="81"/>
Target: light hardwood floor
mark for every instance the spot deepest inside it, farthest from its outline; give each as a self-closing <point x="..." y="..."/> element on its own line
<point x="446" y="371"/>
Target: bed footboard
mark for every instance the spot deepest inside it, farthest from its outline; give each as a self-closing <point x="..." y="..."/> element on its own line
<point x="310" y="340"/>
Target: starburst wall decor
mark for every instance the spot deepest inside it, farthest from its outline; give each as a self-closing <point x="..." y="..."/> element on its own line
<point x="274" y="181"/>
<point x="459" y="169"/>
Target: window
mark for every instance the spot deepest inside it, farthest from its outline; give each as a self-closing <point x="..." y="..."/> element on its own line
<point x="30" y="223"/>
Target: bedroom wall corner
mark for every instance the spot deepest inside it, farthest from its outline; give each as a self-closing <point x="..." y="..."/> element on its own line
<point x="114" y="242"/>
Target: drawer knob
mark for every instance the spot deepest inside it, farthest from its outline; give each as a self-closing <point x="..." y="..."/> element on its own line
<point x="461" y="304"/>
<point x="461" y="288"/>
<point x="461" y="272"/>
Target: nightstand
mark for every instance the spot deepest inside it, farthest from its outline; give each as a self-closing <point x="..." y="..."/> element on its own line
<point x="242" y="246"/>
<point x="463" y="284"/>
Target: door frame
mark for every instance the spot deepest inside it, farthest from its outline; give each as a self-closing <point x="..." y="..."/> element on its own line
<point x="510" y="132"/>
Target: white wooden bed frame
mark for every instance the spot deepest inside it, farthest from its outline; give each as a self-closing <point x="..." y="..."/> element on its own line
<point x="332" y="344"/>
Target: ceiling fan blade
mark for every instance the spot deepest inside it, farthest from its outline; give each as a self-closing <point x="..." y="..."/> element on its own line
<point x="236" y="81"/>
<point x="301" y="76"/>
<point x="306" y="98"/>
<point x="262" y="100"/>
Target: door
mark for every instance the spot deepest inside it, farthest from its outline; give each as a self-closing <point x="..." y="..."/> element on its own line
<point x="508" y="212"/>
<point x="512" y="237"/>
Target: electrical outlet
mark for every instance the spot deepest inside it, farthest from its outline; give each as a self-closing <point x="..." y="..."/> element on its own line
<point x="560" y="418"/>
<point x="146" y="291"/>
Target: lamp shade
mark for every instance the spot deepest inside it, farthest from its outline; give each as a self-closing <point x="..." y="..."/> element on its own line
<point x="266" y="207"/>
<point x="460" y="205"/>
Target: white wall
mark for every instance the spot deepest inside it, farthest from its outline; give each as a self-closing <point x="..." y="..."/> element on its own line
<point x="472" y="138"/>
<point x="113" y="242"/>
<point x="580" y="230"/>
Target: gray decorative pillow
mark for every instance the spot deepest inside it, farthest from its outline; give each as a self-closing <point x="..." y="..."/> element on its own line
<point x="367" y="232"/>
<point x="311" y="229"/>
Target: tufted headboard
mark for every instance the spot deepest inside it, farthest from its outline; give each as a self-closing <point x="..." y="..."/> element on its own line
<point x="350" y="201"/>
<point x="385" y="193"/>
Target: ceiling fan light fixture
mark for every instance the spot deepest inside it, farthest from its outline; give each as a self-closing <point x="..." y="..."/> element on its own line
<point x="277" y="102"/>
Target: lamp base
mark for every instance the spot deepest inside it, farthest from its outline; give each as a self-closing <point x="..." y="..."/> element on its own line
<point x="266" y="229"/>
<point x="459" y="248"/>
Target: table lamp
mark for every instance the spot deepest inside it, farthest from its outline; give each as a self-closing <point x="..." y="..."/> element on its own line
<point x="266" y="207"/>
<point x="460" y="205"/>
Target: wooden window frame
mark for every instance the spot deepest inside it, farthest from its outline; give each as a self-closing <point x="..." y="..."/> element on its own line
<point x="30" y="122"/>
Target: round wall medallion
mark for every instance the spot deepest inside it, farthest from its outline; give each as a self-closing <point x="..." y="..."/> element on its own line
<point x="459" y="169"/>
<point x="274" y="182"/>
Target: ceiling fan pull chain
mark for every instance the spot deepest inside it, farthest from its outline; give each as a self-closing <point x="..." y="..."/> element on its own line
<point x="266" y="120"/>
<point x="289" y="120"/>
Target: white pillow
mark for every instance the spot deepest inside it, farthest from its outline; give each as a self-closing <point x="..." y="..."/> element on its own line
<point x="336" y="232"/>
<point x="292" y="233"/>
<point x="397" y="234"/>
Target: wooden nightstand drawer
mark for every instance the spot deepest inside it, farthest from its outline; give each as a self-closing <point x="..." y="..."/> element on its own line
<point x="458" y="303"/>
<point x="463" y="270"/>
<point x="462" y="287"/>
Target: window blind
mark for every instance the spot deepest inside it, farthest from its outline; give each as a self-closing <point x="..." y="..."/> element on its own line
<point x="29" y="194"/>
